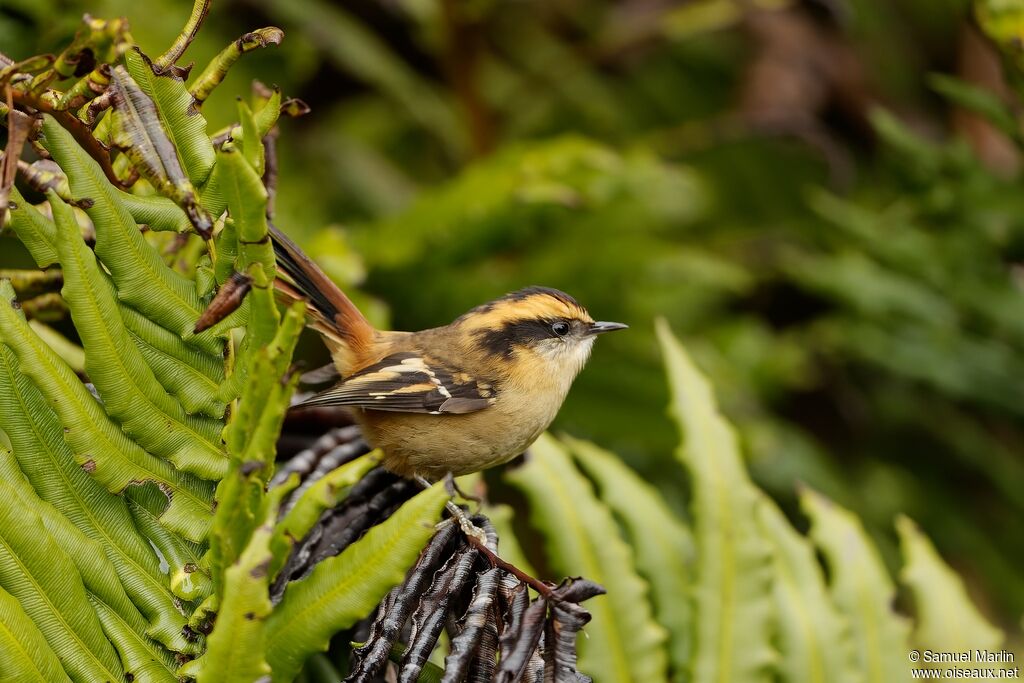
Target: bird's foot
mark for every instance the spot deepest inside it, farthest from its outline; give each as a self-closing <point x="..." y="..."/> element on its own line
<point x="478" y="538"/>
<point x="462" y="519"/>
<point x="458" y="514"/>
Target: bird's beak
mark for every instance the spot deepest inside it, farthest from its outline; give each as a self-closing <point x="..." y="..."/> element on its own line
<point x="602" y="327"/>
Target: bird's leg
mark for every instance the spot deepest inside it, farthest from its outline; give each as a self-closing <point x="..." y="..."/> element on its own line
<point x="458" y="514"/>
<point x="452" y="484"/>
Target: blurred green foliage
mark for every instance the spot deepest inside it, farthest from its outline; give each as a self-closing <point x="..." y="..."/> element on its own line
<point x="849" y="278"/>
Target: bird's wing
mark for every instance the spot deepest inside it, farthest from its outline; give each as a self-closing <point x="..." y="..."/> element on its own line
<point x="322" y="375"/>
<point x="409" y="382"/>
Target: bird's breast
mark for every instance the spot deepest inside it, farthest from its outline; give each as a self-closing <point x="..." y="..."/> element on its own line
<point x="434" y="445"/>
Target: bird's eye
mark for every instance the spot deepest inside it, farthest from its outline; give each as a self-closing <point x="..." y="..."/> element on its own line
<point x="561" y="328"/>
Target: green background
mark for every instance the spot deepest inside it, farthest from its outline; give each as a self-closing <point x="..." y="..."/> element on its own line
<point x="795" y="192"/>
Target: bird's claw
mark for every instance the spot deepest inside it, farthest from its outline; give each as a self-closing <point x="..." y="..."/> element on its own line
<point x="467" y="526"/>
<point x="458" y="514"/>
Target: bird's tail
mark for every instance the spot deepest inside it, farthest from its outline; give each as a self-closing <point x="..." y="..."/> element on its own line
<point x="334" y="315"/>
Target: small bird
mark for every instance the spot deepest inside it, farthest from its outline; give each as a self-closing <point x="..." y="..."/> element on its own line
<point x="449" y="400"/>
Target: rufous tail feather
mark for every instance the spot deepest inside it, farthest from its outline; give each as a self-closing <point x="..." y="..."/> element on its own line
<point x="333" y="313"/>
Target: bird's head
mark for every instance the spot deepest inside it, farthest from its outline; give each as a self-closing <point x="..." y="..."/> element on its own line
<point x="542" y="327"/>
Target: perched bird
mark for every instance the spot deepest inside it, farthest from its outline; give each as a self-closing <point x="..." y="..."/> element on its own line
<point x="454" y="399"/>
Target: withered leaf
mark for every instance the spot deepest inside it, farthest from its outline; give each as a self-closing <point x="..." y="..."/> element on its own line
<point x="138" y="132"/>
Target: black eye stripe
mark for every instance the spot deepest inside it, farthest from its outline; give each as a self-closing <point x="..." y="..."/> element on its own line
<point x="520" y="332"/>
